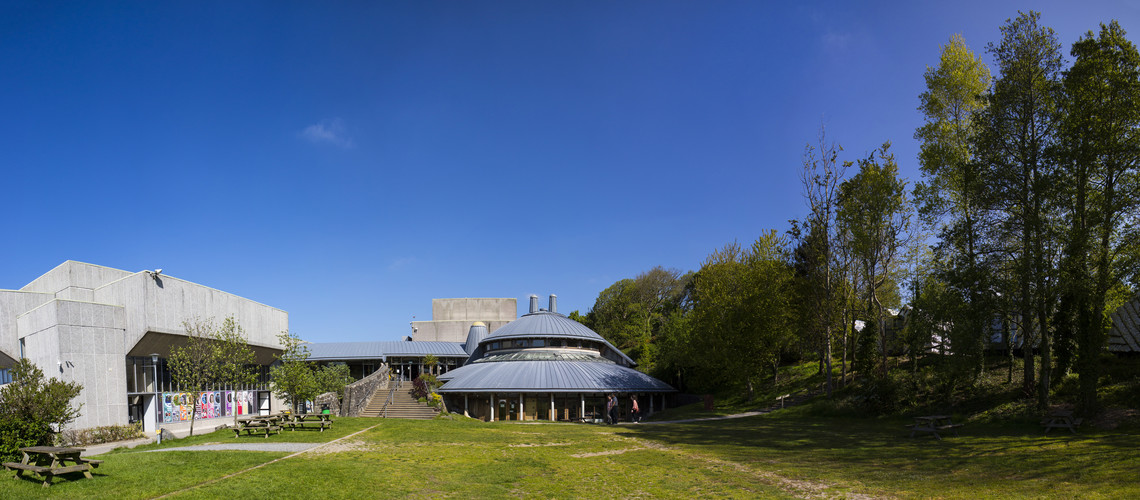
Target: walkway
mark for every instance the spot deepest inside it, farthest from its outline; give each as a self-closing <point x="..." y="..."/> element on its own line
<point x="278" y="447"/>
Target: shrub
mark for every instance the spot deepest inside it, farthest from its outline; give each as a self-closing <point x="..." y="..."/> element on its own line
<point x="17" y="432"/>
<point x="422" y="387"/>
<point x="105" y="434"/>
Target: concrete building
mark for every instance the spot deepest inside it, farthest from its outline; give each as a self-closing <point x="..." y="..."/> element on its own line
<point x="451" y="318"/>
<point x="545" y="366"/>
<point x="111" y="331"/>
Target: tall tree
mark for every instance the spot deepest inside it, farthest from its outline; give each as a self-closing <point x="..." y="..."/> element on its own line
<point x="193" y="365"/>
<point x="1018" y="129"/>
<point x="236" y="360"/>
<point x="212" y="357"/>
<point x="293" y="378"/>
<point x="1100" y="154"/>
<point x="874" y="209"/>
<point x="820" y="177"/>
<point x="632" y="313"/>
<point x="742" y="311"/>
<point x="952" y="200"/>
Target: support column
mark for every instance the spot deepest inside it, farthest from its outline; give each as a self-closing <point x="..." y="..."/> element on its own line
<point x="553" y="412"/>
<point x="522" y="412"/>
<point x="465" y="406"/>
<point x="582" y="400"/>
<point x="492" y="407"/>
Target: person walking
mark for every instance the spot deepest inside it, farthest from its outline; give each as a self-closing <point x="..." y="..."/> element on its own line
<point x="611" y="412"/>
<point x="635" y="412"/>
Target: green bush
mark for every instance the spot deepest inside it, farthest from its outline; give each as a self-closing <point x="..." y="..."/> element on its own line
<point x="17" y="432"/>
<point x="105" y="434"/>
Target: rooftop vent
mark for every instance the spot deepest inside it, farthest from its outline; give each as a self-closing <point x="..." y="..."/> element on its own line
<point x="553" y="303"/>
<point x="533" y="304"/>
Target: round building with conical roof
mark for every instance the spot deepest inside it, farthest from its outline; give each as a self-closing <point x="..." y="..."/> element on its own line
<point x="546" y="366"/>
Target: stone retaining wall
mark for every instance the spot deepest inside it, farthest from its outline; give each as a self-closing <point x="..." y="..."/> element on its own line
<point x="358" y="394"/>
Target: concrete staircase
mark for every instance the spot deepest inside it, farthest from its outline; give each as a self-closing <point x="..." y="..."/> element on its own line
<point x="375" y="407"/>
<point x="404" y="406"/>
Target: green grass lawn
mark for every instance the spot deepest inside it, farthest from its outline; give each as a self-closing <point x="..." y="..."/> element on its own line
<point x="789" y="453"/>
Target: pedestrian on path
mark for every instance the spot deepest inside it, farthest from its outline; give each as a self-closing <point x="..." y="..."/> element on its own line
<point x="611" y="409"/>
<point x="635" y="412"/>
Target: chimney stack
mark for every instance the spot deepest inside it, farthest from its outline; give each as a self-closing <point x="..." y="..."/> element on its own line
<point x="533" y="303"/>
<point x="553" y="303"/>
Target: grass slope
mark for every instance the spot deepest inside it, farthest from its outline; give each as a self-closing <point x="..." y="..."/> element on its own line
<point x="789" y="453"/>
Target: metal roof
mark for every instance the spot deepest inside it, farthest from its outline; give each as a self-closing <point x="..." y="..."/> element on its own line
<point x="333" y="351"/>
<point x="549" y="325"/>
<point x="601" y="375"/>
<point x="544" y="323"/>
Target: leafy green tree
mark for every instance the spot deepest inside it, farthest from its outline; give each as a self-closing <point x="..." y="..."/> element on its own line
<point x="1100" y="154"/>
<point x="821" y="174"/>
<point x="952" y="200"/>
<point x="432" y="362"/>
<point x="33" y="409"/>
<point x="631" y="313"/>
<point x="212" y="357"/>
<point x="333" y="378"/>
<point x="873" y="207"/>
<point x="236" y="361"/>
<point x="293" y="378"/>
<point x="1018" y="129"/>
<point x="742" y="320"/>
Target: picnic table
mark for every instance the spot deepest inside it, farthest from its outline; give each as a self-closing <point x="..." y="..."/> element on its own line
<point x="933" y="424"/>
<point x="1061" y="419"/>
<point x="311" y="420"/>
<point x="263" y="424"/>
<point x="51" y="461"/>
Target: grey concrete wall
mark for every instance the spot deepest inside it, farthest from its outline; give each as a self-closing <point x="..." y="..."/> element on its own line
<point x="81" y="342"/>
<point x="13" y="303"/>
<point x="75" y="280"/>
<point x="452" y="318"/>
<point x="474" y="309"/>
<point x="451" y="331"/>
<point x="163" y="305"/>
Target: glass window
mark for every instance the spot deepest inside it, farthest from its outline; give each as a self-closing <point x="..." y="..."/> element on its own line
<point x="539" y="343"/>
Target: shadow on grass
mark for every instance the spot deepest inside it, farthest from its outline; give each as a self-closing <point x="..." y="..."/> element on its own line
<point x="880" y="453"/>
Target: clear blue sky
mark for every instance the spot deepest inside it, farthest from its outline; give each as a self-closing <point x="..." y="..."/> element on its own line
<point x="348" y="162"/>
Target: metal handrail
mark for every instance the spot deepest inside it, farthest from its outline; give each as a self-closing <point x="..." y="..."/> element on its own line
<point x="391" y="394"/>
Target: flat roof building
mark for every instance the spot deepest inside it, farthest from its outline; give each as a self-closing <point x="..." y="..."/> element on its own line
<point x="105" y="328"/>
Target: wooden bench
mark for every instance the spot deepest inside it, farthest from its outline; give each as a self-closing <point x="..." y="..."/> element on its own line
<point x="250" y="430"/>
<point x="322" y="424"/>
<point x="1062" y="421"/>
<point x="35" y="458"/>
<point x="933" y="424"/>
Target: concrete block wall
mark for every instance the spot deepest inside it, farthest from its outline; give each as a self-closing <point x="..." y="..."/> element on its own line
<point x="13" y="303"/>
<point x="451" y="331"/>
<point x="81" y="342"/>
<point x="452" y="318"/>
<point x="163" y="304"/>
<point x="474" y="309"/>
<point x="75" y="280"/>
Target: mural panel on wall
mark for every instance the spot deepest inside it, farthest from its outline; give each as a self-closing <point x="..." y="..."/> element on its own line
<point x="177" y="406"/>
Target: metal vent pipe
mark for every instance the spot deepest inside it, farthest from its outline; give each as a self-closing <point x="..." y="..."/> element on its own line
<point x="533" y="303"/>
<point x="553" y="303"/>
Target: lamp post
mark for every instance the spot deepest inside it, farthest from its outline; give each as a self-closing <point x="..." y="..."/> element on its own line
<point x="157" y="393"/>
